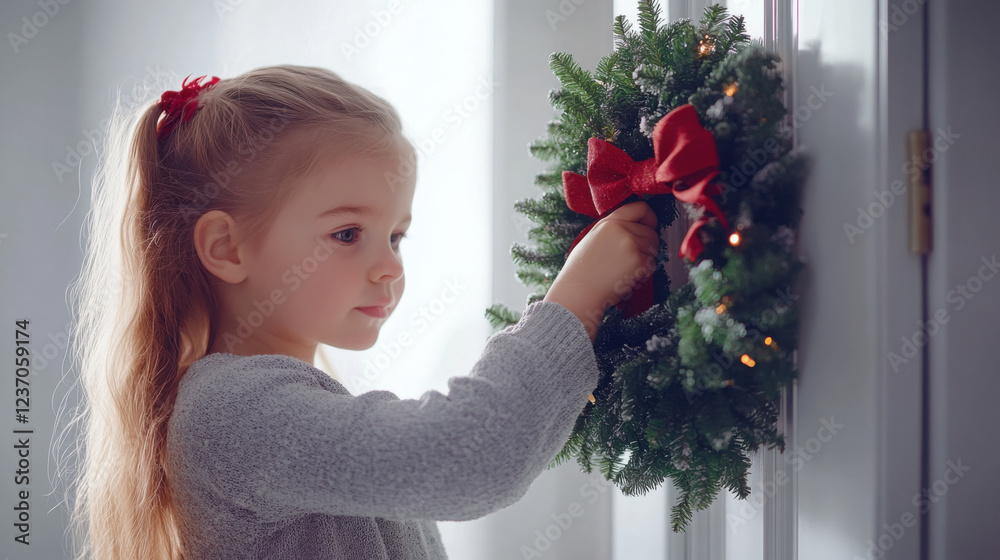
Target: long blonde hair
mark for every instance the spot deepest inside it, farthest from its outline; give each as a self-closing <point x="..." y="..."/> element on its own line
<point x="144" y="310"/>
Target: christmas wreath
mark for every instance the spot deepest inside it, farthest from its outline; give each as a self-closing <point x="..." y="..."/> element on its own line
<point x="681" y="116"/>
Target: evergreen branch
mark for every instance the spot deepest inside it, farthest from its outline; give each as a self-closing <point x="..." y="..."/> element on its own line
<point x="649" y="25"/>
<point x="572" y="105"/>
<point x="500" y="317"/>
<point x="713" y="20"/>
<point x="551" y="207"/>
<point x="533" y="277"/>
<point x="542" y="266"/>
<point x="545" y="149"/>
<point x="623" y="35"/>
<point x="579" y="85"/>
<point x="550" y="179"/>
<point x="735" y="35"/>
<point x="649" y="17"/>
<point x="681" y="512"/>
<point x="571" y="448"/>
<point x="605" y="70"/>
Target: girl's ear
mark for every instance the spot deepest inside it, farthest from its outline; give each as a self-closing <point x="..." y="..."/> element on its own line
<point x="214" y="234"/>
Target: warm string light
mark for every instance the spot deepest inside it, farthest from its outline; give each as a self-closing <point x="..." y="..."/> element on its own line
<point x="734" y="239"/>
<point x="747" y="360"/>
<point x="768" y="341"/>
<point x="592" y="399"/>
<point x="705" y="46"/>
<point x="731" y="89"/>
<point x="720" y="309"/>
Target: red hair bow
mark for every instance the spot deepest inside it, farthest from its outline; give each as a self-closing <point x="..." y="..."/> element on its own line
<point x="178" y="105"/>
<point x="685" y="164"/>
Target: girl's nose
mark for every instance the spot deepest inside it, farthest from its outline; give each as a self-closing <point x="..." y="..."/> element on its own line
<point x="389" y="264"/>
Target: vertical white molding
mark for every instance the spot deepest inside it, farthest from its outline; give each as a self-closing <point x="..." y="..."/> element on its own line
<point x="900" y="74"/>
<point x="780" y="521"/>
<point x="676" y="9"/>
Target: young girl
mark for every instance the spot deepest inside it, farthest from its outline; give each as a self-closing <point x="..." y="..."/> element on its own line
<point x="248" y="220"/>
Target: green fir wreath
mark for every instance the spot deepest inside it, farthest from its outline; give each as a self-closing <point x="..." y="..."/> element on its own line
<point x="690" y="386"/>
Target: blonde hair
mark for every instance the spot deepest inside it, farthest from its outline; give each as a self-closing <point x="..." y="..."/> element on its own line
<point x="144" y="308"/>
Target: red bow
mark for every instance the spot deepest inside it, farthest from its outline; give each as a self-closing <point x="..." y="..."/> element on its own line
<point x="685" y="164"/>
<point x="177" y="104"/>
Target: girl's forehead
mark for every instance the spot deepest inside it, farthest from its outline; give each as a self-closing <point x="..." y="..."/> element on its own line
<point x="334" y="180"/>
<point x="368" y="186"/>
<point x="348" y="167"/>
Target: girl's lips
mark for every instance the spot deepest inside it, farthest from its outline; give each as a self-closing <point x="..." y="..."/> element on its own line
<point x="377" y="312"/>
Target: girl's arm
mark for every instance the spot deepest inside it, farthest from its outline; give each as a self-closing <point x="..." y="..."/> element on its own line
<point x="271" y="438"/>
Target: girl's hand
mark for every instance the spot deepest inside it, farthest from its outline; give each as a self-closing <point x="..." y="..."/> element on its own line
<point x="618" y="252"/>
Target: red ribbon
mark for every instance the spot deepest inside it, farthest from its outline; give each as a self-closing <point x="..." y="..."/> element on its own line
<point x="178" y="104"/>
<point x="685" y="163"/>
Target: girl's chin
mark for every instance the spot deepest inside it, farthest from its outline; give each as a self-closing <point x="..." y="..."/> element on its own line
<point x="358" y="340"/>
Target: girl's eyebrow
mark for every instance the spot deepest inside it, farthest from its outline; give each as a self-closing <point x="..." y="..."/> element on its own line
<point x="363" y="211"/>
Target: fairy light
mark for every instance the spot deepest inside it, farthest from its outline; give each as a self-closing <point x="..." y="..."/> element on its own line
<point x="731" y="89"/>
<point x="768" y="341"/>
<point x="734" y="239"/>
<point x="705" y="46"/>
<point x="720" y="309"/>
<point x="747" y="360"/>
<point x="592" y="399"/>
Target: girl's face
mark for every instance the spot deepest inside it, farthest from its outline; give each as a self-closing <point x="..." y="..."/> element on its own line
<point x="332" y="250"/>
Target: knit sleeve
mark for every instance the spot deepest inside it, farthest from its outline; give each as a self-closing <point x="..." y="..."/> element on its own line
<point x="282" y="445"/>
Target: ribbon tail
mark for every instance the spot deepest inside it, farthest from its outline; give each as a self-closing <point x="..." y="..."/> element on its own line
<point x="692" y="245"/>
<point x="713" y="209"/>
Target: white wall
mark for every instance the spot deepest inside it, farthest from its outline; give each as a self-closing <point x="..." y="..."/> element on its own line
<point x="40" y="100"/>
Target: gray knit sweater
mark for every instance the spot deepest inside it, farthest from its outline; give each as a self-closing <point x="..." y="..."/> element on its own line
<point x="269" y="457"/>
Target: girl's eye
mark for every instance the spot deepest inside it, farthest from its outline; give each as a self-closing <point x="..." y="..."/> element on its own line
<point x="355" y="231"/>
<point x="351" y="239"/>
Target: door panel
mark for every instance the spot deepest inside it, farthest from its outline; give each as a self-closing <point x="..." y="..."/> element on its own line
<point x="963" y="284"/>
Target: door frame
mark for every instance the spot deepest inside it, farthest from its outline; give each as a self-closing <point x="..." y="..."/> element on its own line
<point x="901" y="284"/>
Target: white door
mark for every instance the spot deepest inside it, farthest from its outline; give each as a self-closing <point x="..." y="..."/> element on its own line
<point x="963" y="295"/>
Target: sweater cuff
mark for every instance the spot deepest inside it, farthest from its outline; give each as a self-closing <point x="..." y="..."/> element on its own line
<point x="558" y="333"/>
